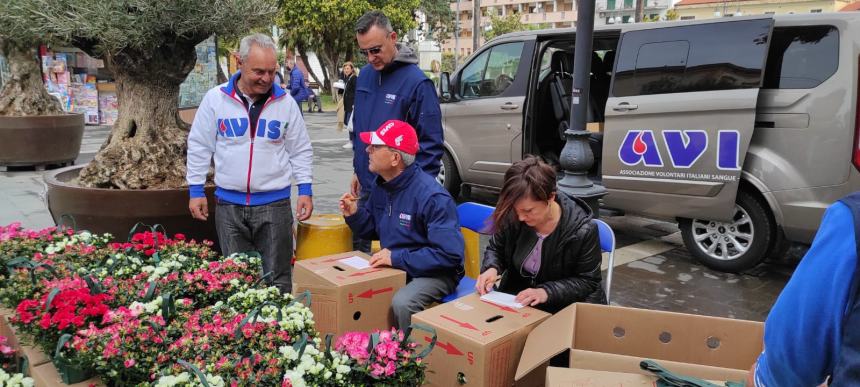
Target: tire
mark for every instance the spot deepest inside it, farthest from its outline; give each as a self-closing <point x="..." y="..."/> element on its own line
<point x="448" y="176"/>
<point x="732" y="246"/>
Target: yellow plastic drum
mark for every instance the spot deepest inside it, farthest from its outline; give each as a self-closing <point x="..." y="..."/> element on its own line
<point x="322" y="234"/>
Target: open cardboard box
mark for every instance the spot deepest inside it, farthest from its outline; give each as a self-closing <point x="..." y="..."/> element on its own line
<point x="478" y="342"/>
<point x="611" y="338"/>
<point x="344" y="298"/>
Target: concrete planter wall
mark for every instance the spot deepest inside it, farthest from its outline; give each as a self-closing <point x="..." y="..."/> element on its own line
<point x="40" y="140"/>
<point x="117" y="211"/>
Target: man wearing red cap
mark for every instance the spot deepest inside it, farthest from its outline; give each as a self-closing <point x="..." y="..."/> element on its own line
<point x="413" y="217"/>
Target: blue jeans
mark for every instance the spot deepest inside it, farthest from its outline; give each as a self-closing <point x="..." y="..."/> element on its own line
<point x="266" y="229"/>
<point x="418" y="294"/>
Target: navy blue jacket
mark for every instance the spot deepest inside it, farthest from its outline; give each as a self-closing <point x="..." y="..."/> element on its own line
<point x="400" y="91"/>
<point x="297" y="85"/>
<point x="415" y="218"/>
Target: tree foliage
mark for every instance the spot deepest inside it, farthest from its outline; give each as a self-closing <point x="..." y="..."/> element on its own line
<point x="500" y="25"/>
<point x="671" y="14"/>
<point x="327" y="27"/>
<point x="440" y="19"/>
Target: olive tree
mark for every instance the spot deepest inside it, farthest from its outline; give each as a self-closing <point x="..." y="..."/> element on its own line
<point x="149" y="46"/>
<point x="23" y="94"/>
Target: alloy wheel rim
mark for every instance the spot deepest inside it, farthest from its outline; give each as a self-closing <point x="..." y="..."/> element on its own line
<point x="724" y="241"/>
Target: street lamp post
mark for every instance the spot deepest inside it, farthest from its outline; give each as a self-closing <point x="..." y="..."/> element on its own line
<point x="576" y="157"/>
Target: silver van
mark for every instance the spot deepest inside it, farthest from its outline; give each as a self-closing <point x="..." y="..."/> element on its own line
<point x="743" y="129"/>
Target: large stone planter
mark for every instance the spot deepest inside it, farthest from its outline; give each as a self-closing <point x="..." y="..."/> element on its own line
<point x="117" y="211"/>
<point x="40" y="140"/>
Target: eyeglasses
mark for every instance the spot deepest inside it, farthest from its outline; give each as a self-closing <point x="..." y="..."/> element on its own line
<point x="373" y="148"/>
<point x="371" y="51"/>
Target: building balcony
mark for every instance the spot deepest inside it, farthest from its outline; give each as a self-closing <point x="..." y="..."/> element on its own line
<point x="549" y="17"/>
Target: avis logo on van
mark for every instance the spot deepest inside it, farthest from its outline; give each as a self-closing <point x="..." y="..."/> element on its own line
<point x="685" y="148"/>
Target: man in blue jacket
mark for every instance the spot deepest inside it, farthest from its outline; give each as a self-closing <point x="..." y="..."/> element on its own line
<point x="297" y="83"/>
<point x="413" y="217"/>
<point x="392" y="87"/>
<point x="811" y="331"/>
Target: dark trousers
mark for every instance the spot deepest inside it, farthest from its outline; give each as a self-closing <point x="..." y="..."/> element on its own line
<point x="266" y="229"/>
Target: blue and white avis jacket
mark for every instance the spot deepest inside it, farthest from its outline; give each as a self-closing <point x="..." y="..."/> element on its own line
<point x="255" y="163"/>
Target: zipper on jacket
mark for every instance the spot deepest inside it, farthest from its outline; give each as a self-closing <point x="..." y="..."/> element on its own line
<point x="253" y="136"/>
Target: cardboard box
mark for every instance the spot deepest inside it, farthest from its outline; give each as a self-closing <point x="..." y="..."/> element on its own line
<point x="575" y="377"/>
<point x="478" y="342"/>
<point x="609" y="338"/>
<point x="46" y="375"/>
<point x="346" y="299"/>
<point x="595" y="127"/>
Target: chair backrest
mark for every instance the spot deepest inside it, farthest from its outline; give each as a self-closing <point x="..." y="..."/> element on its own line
<point x="475" y="217"/>
<point x="607" y="245"/>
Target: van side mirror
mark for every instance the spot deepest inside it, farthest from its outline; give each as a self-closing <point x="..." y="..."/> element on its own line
<point x="445" y="86"/>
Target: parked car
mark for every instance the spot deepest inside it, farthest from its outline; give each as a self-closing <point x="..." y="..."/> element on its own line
<point x="743" y="129"/>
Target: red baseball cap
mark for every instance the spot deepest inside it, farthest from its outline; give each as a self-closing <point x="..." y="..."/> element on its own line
<point x="395" y="134"/>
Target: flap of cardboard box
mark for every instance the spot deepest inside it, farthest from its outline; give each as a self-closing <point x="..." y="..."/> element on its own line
<point x="564" y="377"/>
<point x="481" y="322"/>
<point x="644" y="334"/>
<point x="337" y="270"/>
<point x="546" y="340"/>
<point x="601" y="361"/>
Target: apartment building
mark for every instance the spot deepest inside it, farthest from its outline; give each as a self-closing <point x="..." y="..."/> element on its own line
<point x="624" y="11"/>
<point x="707" y="9"/>
<point x="542" y="14"/>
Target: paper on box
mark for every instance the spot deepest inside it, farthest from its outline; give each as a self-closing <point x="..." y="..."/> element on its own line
<point x="478" y="342"/>
<point x="613" y="338"/>
<point x="344" y="298"/>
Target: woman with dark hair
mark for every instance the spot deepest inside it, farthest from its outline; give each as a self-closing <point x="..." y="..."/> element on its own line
<point x="544" y="247"/>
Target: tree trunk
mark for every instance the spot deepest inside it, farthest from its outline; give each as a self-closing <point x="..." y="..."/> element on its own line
<point x="24" y="94"/>
<point x="146" y="148"/>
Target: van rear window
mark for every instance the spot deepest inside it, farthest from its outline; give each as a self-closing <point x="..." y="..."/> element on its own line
<point x="801" y="57"/>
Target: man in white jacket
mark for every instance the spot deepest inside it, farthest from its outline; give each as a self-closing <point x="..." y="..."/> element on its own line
<point x="257" y="135"/>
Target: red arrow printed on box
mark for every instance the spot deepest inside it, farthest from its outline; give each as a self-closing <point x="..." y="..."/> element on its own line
<point x="460" y="323"/>
<point x="502" y="307"/>
<point x="361" y="273"/>
<point x="447" y="346"/>
<point x="370" y="292"/>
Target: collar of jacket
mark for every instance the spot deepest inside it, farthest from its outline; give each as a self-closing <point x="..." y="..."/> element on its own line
<point x="403" y="180"/>
<point x="230" y="88"/>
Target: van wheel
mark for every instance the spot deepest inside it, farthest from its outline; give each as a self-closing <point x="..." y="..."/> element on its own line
<point x="448" y="175"/>
<point x="731" y="246"/>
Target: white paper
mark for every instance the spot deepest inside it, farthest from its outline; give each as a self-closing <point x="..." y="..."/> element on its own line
<point x="355" y="262"/>
<point x="503" y="299"/>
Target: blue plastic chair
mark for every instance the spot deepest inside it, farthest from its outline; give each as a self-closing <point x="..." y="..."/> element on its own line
<point x="607" y="245"/>
<point x="473" y="216"/>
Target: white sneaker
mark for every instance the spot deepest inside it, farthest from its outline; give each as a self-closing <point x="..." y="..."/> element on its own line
<point x="347" y="145"/>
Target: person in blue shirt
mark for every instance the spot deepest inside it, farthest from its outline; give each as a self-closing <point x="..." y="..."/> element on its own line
<point x="392" y="87"/>
<point x="413" y="217"/>
<point x="805" y="332"/>
<point x="297" y="83"/>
